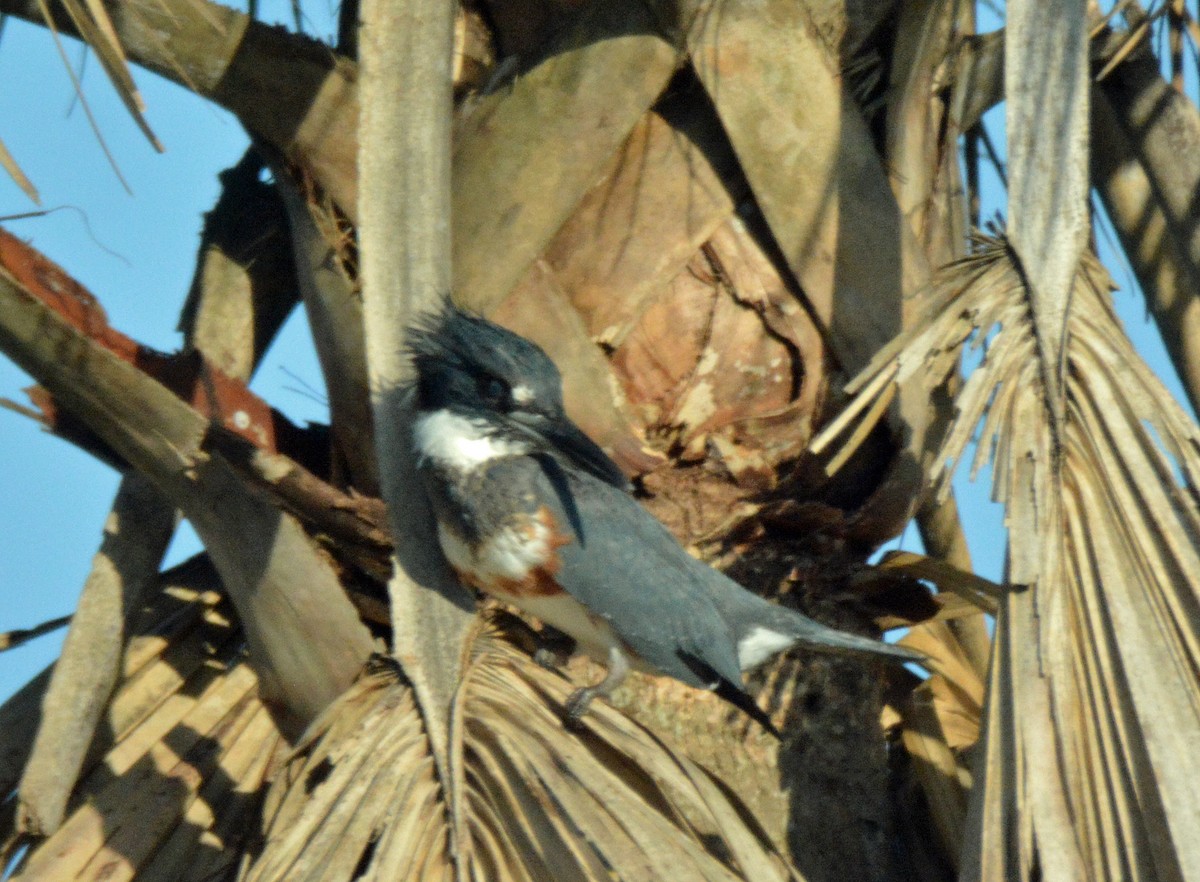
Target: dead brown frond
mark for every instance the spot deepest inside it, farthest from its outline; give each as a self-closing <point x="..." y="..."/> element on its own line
<point x="535" y="802"/>
<point x="980" y="593"/>
<point x="1095" y="683"/>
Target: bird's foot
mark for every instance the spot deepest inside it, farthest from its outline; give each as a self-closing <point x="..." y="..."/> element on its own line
<point x="577" y="704"/>
<point x="576" y="707"/>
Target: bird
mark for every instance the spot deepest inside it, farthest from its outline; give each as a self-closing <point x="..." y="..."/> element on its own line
<point x="531" y="511"/>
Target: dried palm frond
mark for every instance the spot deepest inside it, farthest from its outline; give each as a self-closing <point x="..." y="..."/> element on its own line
<point x="18" y="176"/>
<point x="1146" y="165"/>
<point x="136" y="534"/>
<point x="941" y="715"/>
<point x="95" y="26"/>
<point x="1094" y="696"/>
<point x="360" y="799"/>
<point x="91" y="21"/>
<point x="172" y="783"/>
<point x="20" y="636"/>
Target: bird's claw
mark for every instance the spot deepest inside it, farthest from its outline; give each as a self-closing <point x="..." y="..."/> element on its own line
<point x="576" y="707"/>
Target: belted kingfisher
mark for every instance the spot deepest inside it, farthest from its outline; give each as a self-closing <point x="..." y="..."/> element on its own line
<point x="531" y="511"/>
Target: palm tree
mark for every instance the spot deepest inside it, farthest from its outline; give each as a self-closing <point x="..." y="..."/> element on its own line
<point x="747" y="236"/>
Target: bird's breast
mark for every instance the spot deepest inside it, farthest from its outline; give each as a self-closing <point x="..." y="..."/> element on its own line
<point x="518" y="559"/>
<point x="518" y="564"/>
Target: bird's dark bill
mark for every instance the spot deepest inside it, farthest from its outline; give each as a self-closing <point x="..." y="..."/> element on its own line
<point x="586" y="454"/>
<point x="567" y="440"/>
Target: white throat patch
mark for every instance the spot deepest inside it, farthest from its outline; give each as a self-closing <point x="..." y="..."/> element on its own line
<point x="457" y="442"/>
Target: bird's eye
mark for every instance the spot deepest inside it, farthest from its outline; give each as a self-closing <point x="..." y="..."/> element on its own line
<point x="494" y="392"/>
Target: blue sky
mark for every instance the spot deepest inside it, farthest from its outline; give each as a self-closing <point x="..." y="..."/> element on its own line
<point x="136" y="253"/>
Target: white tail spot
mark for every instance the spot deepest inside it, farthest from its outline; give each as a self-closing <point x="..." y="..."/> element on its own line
<point x="759" y="644"/>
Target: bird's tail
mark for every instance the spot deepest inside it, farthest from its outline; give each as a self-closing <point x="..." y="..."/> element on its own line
<point x="771" y="628"/>
<point x="813" y="635"/>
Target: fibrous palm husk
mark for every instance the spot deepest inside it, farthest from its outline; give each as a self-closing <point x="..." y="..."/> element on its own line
<point x="1094" y="696"/>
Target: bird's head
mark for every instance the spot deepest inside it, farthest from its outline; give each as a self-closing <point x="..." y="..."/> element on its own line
<point x="499" y="384"/>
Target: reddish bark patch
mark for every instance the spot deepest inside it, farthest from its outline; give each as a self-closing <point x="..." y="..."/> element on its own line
<point x="221" y="398"/>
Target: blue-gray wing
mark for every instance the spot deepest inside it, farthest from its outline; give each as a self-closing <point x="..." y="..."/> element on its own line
<point x="624" y="566"/>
